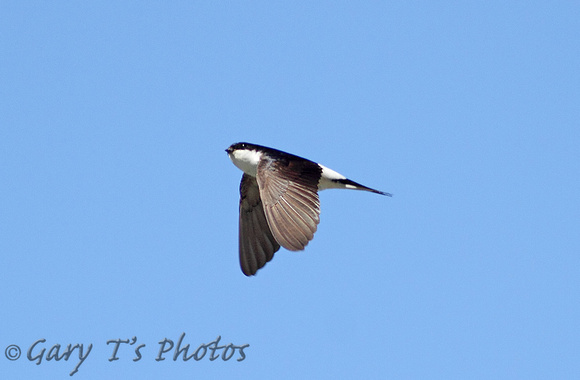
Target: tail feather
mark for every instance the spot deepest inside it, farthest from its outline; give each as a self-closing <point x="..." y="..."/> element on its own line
<point x="357" y="186"/>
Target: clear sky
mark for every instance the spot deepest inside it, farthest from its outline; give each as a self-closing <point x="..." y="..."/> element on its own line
<point x="119" y="206"/>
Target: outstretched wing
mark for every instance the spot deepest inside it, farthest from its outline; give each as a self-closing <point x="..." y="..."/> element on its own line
<point x="257" y="245"/>
<point x="289" y="193"/>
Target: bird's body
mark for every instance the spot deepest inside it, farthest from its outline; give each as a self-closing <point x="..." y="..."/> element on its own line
<point x="279" y="203"/>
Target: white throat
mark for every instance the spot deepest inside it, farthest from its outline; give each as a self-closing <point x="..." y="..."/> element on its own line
<point x="246" y="160"/>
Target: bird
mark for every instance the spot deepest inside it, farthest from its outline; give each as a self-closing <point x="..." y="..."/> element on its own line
<point x="279" y="203"/>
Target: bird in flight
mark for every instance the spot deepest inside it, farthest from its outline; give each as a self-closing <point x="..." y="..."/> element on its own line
<point x="279" y="203"/>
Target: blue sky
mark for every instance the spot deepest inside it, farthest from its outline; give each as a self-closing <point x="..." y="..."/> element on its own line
<point x="119" y="206"/>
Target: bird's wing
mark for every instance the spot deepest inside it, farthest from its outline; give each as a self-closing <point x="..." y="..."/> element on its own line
<point x="257" y="245"/>
<point x="289" y="192"/>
